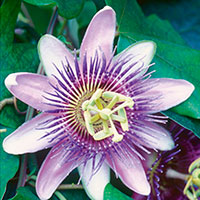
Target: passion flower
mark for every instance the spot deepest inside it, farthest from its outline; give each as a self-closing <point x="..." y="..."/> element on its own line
<point x="168" y="175"/>
<point x="97" y="110"/>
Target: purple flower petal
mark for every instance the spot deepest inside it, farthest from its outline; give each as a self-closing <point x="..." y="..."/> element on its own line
<point x="29" y="137"/>
<point x="153" y="136"/>
<point x="100" y="34"/>
<point x="139" y="55"/>
<point x="133" y="176"/>
<point x="53" y="52"/>
<point x="95" y="186"/>
<point x="30" y="88"/>
<point x="53" y="171"/>
<point x="167" y="92"/>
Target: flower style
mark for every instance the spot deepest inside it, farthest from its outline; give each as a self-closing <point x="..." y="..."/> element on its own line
<point x="168" y="174"/>
<point x="97" y="110"/>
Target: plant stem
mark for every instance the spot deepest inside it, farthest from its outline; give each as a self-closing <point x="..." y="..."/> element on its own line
<point x="60" y="196"/>
<point x="30" y="110"/>
<point x="25" y="11"/>
<point x="22" y="172"/>
<point x="62" y="27"/>
<point x="16" y="107"/>
<point x="6" y="101"/>
<point x="53" y="20"/>
<point x="3" y="130"/>
<point x="70" y="187"/>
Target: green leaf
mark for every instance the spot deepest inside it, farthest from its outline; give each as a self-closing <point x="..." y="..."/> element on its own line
<point x="151" y="27"/>
<point x="14" y="57"/>
<point x="72" y="195"/>
<point x="36" y="14"/>
<point x="184" y="16"/>
<point x="24" y="193"/>
<point x="32" y="164"/>
<point x="9" y="164"/>
<point x="63" y="39"/>
<point x="173" y="59"/>
<point x="86" y="14"/>
<point x="67" y="8"/>
<point x="111" y="193"/>
<point x="187" y="122"/>
<point x="89" y="10"/>
<point x="99" y="4"/>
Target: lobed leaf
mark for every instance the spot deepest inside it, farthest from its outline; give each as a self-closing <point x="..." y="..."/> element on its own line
<point x="184" y="16"/>
<point x="14" y="57"/>
<point x="9" y="164"/>
<point x="187" y="122"/>
<point x="111" y="193"/>
<point x="67" y="8"/>
<point x="25" y="194"/>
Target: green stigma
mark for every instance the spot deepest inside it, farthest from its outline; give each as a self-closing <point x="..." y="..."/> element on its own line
<point x="193" y="180"/>
<point x="106" y="112"/>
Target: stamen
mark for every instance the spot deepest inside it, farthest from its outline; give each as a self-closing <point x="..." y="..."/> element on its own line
<point x="192" y="188"/>
<point x="96" y="110"/>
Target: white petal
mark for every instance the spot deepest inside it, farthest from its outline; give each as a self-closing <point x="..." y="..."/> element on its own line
<point x="168" y="93"/>
<point x="140" y="53"/>
<point x="153" y="136"/>
<point x="53" y="171"/>
<point x="31" y="89"/>
<point x="100" y="34"/>
<point x="133" y="176"/>
<point x="27" y="138"/>
<point x="95" y="187"/>
<point x="53" y="51"/>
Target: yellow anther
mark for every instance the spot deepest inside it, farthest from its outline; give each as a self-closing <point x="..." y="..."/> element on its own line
<point x="85" y="105"/>
<point x="192" y="188"/>
<point x="102" y="134"/>
<point x="105" y="113"/>
<point x="98" y="110"/>
<point x="130" y="102"/>
<point x="113" y="102"/>
<point x="124" y="124"/>
<point x="118" y="118"/>
<point x="117" y="138"/>
<point x="194" y="165"/>
<point x="103" y="116"/>
<point x="110" y="95"/>
<point x="89" y="126"/>
<point x="105" y="127"/>
<point x="94" y="118"/>
<point x="98" y="104"/>
<point x="96" y="95"/>
<point x="196" y="177"/>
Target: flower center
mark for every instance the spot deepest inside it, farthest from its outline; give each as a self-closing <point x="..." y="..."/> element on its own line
<point x="106" y="112"/>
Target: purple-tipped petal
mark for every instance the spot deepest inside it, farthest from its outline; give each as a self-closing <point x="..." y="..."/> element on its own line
<point x="96" y="185"/>
<point x="30" y="88"/>
<point x="28" y="137"/>
<point x="133" y="176"/>
<point x="100" y="34"/>
<point x="53" y="52"/>
<point x="140" y="54"/>
<point x="53" y="171"/>
<point x="153" y="136"/>
<point x="168" y="93"/>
